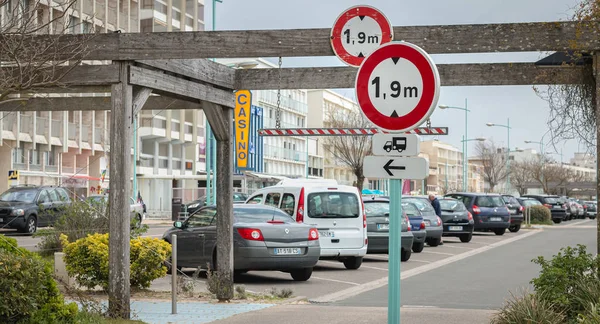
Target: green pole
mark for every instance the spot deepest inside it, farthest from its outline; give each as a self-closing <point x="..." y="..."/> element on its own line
<point x="134" y="158"/>
<point x="465" y="162"/>
<point x="211" y="159"/>
<point x="395" y="232"/>
<point x="508" y="156"/>
<point x="306" y="168"/>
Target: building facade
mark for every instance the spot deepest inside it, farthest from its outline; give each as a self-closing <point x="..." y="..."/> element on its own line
<point x="445" y="167"/>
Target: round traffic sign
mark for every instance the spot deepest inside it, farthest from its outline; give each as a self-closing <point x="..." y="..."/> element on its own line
<point x="397" y="86"/>
<point x="359" y="31"/>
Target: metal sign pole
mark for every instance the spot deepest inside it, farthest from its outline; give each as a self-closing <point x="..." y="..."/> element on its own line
<point x="395" y="234"/>
<point x="174" y="274"/>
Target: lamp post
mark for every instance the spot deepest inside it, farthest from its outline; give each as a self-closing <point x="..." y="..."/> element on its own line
<point x="466" y="162"/>
<point x="541" y="142"/>
<point x="507" y="126"/>
<point x="465" y="170"/>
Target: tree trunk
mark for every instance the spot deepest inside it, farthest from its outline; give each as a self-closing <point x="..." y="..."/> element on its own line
<point x="360" y="179"/>
<point x="596" y="102"/>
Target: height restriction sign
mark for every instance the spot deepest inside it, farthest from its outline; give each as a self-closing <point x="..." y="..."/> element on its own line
<point x="359" y="31"/>
<point x="397" y="86"/>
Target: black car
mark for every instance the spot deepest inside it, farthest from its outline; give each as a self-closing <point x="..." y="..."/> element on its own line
<point x="557" y="209"/>
<point x="193" y="206"/>
<point x="516" y="212"/>
<point x="27" y="207"/>
<point x="488" y="210"/>
<point x="456" y="219"/>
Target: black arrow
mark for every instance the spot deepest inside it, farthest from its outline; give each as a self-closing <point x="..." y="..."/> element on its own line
<point x="394" y="114"/>
<point x="395" y="59"/>
<point x="361" y="17"/>
<point x="387" y="167"/>
<point x="360" y="54"/>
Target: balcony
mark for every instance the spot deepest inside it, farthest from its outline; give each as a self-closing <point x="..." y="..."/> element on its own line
<point x="26" y="124"/>
<point x="99" y="133"/>
<point x="85" y="133"/>
<point x="35" y="167"/>
<point x="8" y="122"/>
<point x="286" y="102"/>
<point x="72" y="131"/>
<point x="56" y="128"/>
<point x="284" y="154"/>
<point x="51" y="168"/>
<point x="68" y="169"/>
<point x="41" y="126"/>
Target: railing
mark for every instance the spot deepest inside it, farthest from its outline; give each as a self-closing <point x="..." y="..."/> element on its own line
<point x="26" y="124"/>
<point x="189" y="129"/>
<point x="41" y="126"/>
<point x="144" y="163"/>
<point x="51" y="168"/>
<point x="72" y="131"/>
<point x="270" y="123"/>
<point x="99" y="133"/>
<point x="68" y="169"/>
<point x="20" y="166"/>
<point x="174" y="126"/>
<point x="35" y="167"/>
<point x="56" y="128"/>
<point x="288" y="154"/>
<point x="163" y="163"/>
<point x="85" y="133"/>
<point x="286" y="102"/>
<point x="8" y="122"/>
<point x="176" y="165"/>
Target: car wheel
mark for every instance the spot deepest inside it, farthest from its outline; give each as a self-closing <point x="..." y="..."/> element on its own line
<point x="301" y="274"/>
<point x="352" y="263"/>
<point x="434" y="242"/>
<point x="418" y="247"/>
<point x="466" y="238"/>
<point x="405" y="255"/>
<point x="557" y="221"/>
<point x="514" y="228"/>
<point x="30" y="225"/>
<point x="500" y="231"/>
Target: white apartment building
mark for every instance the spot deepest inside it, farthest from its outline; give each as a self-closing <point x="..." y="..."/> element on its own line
<point x="445" y="167"/>
<point x="320" y="103"/>
<point x="584" y="160"/>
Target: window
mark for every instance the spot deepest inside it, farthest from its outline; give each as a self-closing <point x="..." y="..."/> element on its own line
<point x="273" y="199"/>
<point x="288" y="203"/>
<point x="451" y="205"/>
<point x="489" y="201"/>
<point x="332" y="205"/>
<point x="20" y="195"/>
<point x="202" y="218"/>
<point x="466" y="200"/>
<point x="64" y="196"/>
<point x="53" y="195"/>
<point x="44" y="198"/>
<point x="410" y="209"/>
<point x="255" y="200"/>
<point x="260" y="215"/>
<point x="424" y="206"/>
<point x="375" y="209"/>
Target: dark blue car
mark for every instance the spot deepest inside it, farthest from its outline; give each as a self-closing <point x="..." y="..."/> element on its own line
<point x="489" y="211"/>
<point x="417" y="225"/>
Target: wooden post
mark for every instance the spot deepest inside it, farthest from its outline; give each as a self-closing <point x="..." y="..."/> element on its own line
<point x="121" y="123"/>
<point x="225" y="206"/>
<point x="596" y="102"/>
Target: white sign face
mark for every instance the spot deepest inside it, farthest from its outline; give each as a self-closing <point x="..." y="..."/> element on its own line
<point x="383" y="167"/>
<point x="396" y="144"/>
<point x="361" y="36"/>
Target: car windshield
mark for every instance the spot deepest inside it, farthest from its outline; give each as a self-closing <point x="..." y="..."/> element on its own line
<point x="424" y="206"/>
<point x="260" y="215"/>
<point x="239" y="197"/>
<point x="489" y="201"/>
<point x="333" y="205"/>
<point x="511" y="200"/>
<point x="27" y="195"/>
<point x="531" y="202"/>
<point x="452" y="205"/>
<point x="410" y="209"/>
<point x="377" y="208"/>
<point x="551" y="200"/>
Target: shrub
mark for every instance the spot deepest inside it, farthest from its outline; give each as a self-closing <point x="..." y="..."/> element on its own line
<point x="10" y="245"/>
<point x="529" y="308"/>
<point x="30" y="294"/>
<point x="87" y="260"/>
<point x="563" y="278"/>
<point x="540" y="215"/>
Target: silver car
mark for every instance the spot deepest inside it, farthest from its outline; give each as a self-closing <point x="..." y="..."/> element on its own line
<point x="136" y="209"/>
<point x="264" y="238"/>
<point x="433" y="223"/>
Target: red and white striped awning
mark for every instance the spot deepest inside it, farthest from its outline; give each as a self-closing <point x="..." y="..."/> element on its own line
<point x="345" y="131"/>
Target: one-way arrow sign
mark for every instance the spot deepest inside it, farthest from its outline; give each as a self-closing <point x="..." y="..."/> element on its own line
<point x="384" y="167"/>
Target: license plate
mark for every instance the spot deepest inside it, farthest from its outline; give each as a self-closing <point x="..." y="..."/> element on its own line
<point x="383" y="226"/>
<point x="326" y="234"/>
<point x="455" y="228"/>
<point x="512" y="212"/>
<point x="495" y="219"/>
<point x="288" y="251"/>
<point x="555" y="207"/>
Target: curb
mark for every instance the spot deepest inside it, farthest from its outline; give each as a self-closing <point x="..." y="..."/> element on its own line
<point x="295" y="300"/>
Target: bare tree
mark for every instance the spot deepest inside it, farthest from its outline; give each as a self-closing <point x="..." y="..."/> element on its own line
<point x="349" y="150"/>
<point x="520" y="175"/>
<point x="29" y="60"/>
<point x="493" y="162"/>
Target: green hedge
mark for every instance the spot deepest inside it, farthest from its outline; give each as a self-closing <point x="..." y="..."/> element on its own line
<point x="539" y="215"/>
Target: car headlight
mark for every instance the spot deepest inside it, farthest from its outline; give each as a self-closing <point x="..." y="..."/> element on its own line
<point x="18" y="212"/>
<point x="194" y="205"/>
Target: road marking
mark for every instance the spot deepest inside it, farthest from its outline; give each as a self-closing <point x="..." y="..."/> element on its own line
<point x="333" y="280"/>
<point x="422" y="261"/>
<point x="577" y="227"/>
<point x="572" y="224"/>
<point x="359" y="289"/>
<point x="380" y="257"/>
<point x="458" y="247"/>
<point x="440" y="253"/>
<point x="418" y="306"/>
<point x="369" y="267"/>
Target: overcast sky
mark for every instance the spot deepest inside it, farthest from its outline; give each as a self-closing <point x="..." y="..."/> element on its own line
<point x="527" y="112"/>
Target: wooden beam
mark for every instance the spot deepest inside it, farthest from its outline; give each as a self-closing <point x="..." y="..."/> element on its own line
<point x="450" y="75"/>
<point x="216" y="118"/>
<point x="199" y="69"/>
<point x="91" y="104"/>
<point x="140" y="96"/>
<point x="81" y="75"/>
<point x="171" y="84"/>
<point x="438" y="39"/>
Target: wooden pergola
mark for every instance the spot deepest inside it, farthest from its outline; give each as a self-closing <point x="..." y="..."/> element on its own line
<point x="172" y="71"/>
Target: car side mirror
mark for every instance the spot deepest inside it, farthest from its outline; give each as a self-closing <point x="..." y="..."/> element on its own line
<point x="178" y="224"/>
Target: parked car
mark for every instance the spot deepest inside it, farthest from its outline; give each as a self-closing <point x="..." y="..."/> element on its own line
<point x="516" y="212"/>
<point x="136" y="209"/>
<point x="264" y="238"/>
<point x="194" y="205"/>
<point x="378" y="221"/>
<point x="336" y="210"/>
<point x="457" y="220"/>
<point x="557" y="209"/>
<point x="570" y="207"/>
<point x="432" y="221"/>
<point x="26" y="208"/>
<point x="591" y="209"/>
<point x="417" y="223"/>
<point x="489" y="211"/>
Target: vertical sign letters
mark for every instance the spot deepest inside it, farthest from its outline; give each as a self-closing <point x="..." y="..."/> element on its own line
<point x="243" y="102"/>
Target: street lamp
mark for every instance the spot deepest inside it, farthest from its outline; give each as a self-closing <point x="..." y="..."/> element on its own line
<point x="541" y="142"/>
<point x="466" y="160"/>
<point x="465" y="171"/>
<point x="507" y="126"/>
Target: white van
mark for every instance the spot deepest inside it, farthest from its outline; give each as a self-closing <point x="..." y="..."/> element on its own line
<point x="336" y="210"/>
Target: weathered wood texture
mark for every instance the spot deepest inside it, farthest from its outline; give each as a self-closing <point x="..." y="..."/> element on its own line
<point x="121" y="125"/>
<point x="81" y="75"/>
<point x="480" y="38"/>
<point x="225" y="208"/>
<point x="450" y="75"/>
<point x="91" y="103"/>
<point x="140" y="96"/>
<point x="168" y="84"/>
<point x="217" y="121"/>
<point x="199" y="69"/>
<point x="596" y="99"/>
